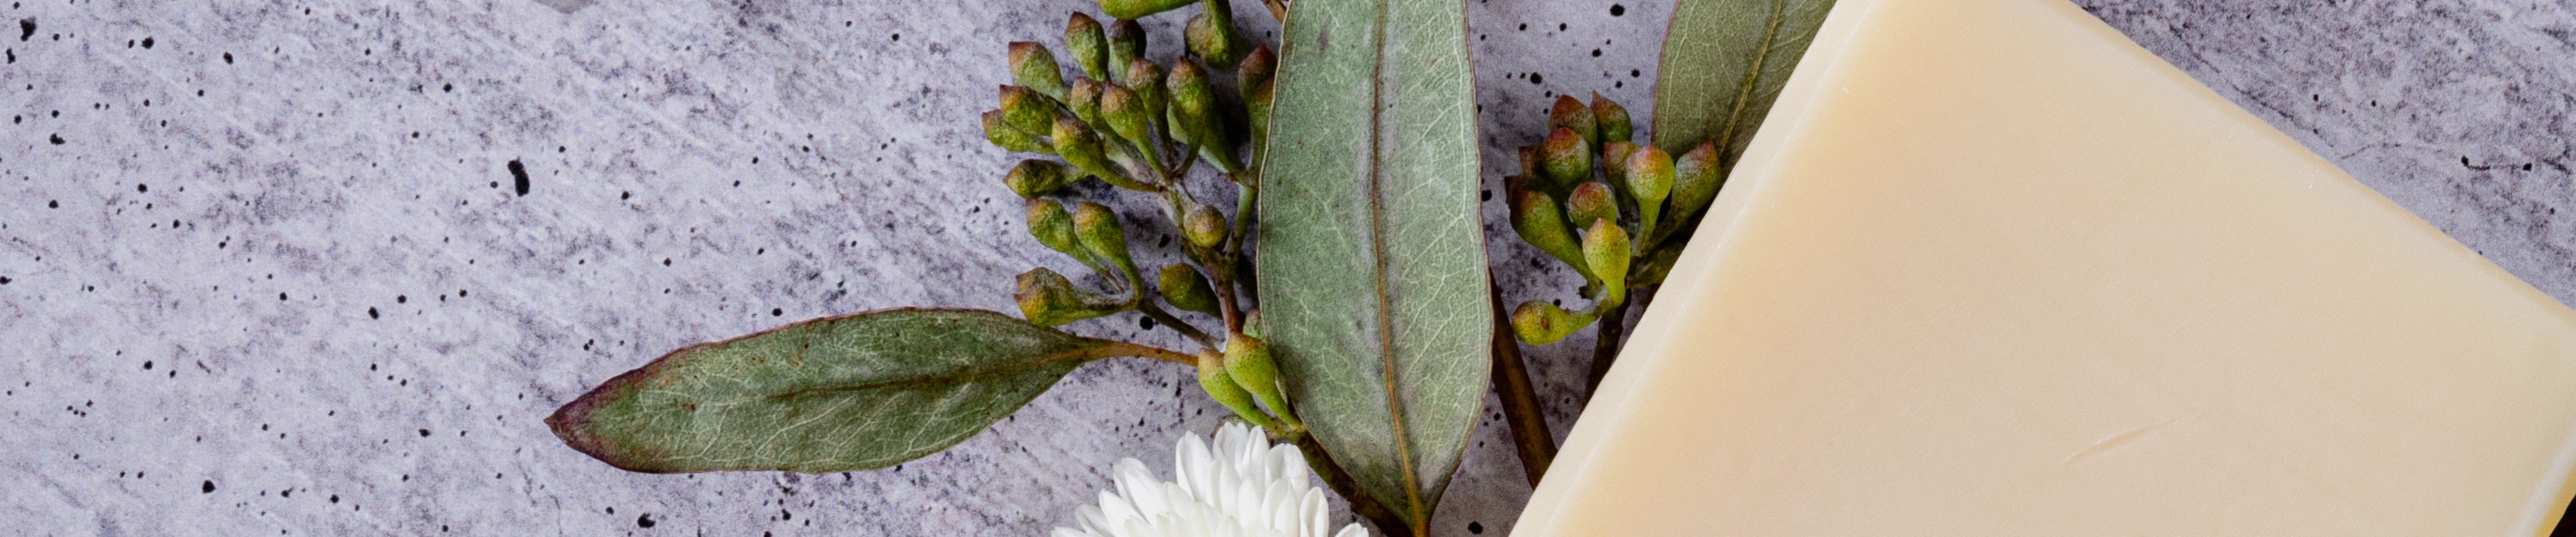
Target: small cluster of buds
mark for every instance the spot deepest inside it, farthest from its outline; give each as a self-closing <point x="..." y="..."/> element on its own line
<point x="1137" y="125"/>
<point x="1609" y="207"/>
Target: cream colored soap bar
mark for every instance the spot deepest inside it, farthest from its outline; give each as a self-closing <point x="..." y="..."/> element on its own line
<point x="1991" y="269"/>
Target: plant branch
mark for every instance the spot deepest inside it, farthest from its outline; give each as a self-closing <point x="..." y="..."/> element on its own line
<point x="1521" y="410"/>
<point x="1341" y="482"/>
<point x="1122" y="348"/>
<point x="1605" y="346"/>
<point x="1156" y="313"/>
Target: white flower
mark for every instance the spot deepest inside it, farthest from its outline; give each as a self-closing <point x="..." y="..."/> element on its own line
<point x="1244" y="487"/>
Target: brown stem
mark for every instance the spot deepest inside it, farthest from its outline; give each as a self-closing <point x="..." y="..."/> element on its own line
<point x="1605" y="346"/>
<point x="1521" y="411"/>
<point x="1340" y="480"/>
<point x="1156" y="313"/>
<point x="1122" y="348"/>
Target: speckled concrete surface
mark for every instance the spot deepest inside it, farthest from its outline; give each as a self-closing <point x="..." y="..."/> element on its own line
<point x="267" y="265"/>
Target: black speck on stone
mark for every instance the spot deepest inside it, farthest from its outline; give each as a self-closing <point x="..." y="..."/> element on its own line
<point x="228" y="58"/>
<point x="371" y="313"/>
<point x="1615" y="10"/>
<point x="57" y="139"/>
<point x="774" y="312"/>
<point x="4" y="280"/>
<point x="140" y="187"/>
<point x="209" y="487"/>
<point x="424" y="433"/>
<point x="1479" y="527"/>
<point x="519" y="176"/>
<point x="26" y="28"/>
<point x="147" y="42"/>
<point x="645" y="521"/>
<point x="1536" y="78"/>
<point x="53" y="204"/>
<point x="1145" y="323"/>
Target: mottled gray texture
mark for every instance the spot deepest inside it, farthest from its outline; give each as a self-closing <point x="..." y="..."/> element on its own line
<point x="312" y="299"/>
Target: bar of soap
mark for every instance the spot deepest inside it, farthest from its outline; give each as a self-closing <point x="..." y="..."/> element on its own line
<point x="1991" y="269"/>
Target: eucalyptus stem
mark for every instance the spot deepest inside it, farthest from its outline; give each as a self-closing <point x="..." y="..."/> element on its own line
<point x="1341" y="482"/>
<point x="1156" y="313"/>
<point x="1521" y="410"/>
<point x="1605" y="347"/>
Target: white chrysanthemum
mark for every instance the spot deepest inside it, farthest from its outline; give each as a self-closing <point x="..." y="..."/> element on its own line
<point x="1243" y="487"/>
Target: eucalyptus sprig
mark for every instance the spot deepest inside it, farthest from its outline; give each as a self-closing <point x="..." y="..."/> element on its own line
<point x="1614" y="210"/>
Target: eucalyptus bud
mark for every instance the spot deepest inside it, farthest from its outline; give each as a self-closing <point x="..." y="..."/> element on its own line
<point x="1530" y="163"/>
<point x="1033" y="66"/>
<point x="1090" y="49"/>
<point x="1572" y="114"/>
<point x="1126" y="45"/>
<point x="1146" y="79"/>
<point x="1193" y="111"/>
<point x="1047" y="299"/>
<point x="1029" y="110"/>
<point x="1564" y="156"/>
<point x="1258" y="67"/>
<point x="1252" y="322"/>
<point x="999" y="131"/>
<point x="1535" y="217"/>
<point x="1053" y="227"/>
<point x="1084" y="99"/>
<point x="1100" y="234"/>
<point x="1249" y="361"/>
<point x="1541" y="323"/>
<point x="1128" y="117"/>
<point x="1033" y="178"/>
<point x="1210" y="34"/>
<point x="1082" y="148"/>
<point x="1591" y="202"/>
<point x="1614" y="164"/>
<point x="1137" y="9"/>
<point x="1612" y="118"/>
<point x="1695" y="182"/>
<point x="1650" y="179"/>
<point x="1222" y="387"/>
<point x="1605" y="248"/>
<point x="1185" y="288"/>
<point x="1203" y="227"/>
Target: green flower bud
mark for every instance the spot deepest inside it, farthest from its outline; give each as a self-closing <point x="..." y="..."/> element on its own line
<point x="1591" y="202"/>
<point x="1084" y="99"/>
<point x="1258" y="67"/>
<point x="1194" y="116"/>
<point x="1248" y="360"/>
<point x="1146" y="79"/>
<point x="1137" y="9"/>
<point x="1183" y="287"/>
<point x="1100" y="234"/>
<point x="1223" y="388"/>
<point x="1053" y="227"/>
<point x="1564" y="156"/>
<point x="1028" y="110"/>
<point x="1695" y="183"/>
<point x="1614" y="164"/>
<point x="1033" y="178"/>
<point x="1252" y="323"/>
<point x="1126" y="45"/>
<point x="1089" y="47"/>
<point x="1605" y="248"/>
<point x="1535" y="217"/>
<point x="1572" y="114"/>
<point x="1650" y="178"/>
<point x="1047" y="299"/>
<point x="998" y="130"/>
<point x="1612" y="118"/>
<point x="1203" y="226"/>
<point x="1082" y="148"/>
<point x="1033" y="66"/>
<point x="1540" y="323"/>
<point x="1128" y="117"/>
<point x="1210" y="34"/>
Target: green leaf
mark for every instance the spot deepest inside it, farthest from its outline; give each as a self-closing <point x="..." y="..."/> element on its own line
<point x="835" y="394"/>
<point x="1372" y="258"/>
<point x="1724" y="62"/>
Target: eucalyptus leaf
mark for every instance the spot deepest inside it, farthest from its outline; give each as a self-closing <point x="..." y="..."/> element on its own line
<point x="1724" y="62"/>
<point x="835" y="394"/>
<point x="1372" y="261"/>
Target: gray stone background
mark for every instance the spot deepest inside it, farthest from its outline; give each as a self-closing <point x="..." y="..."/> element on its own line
<point x="264" y="265"/>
